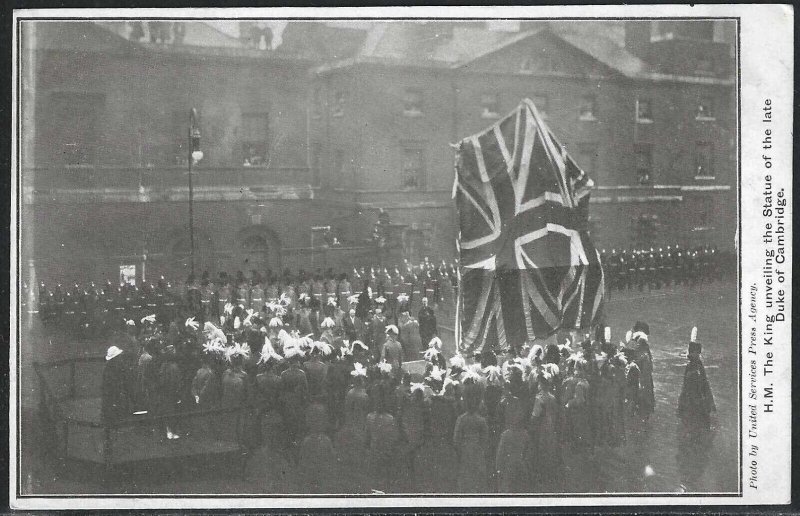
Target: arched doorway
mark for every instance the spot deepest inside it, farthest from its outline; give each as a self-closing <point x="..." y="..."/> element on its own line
<point x="259" y="249"/>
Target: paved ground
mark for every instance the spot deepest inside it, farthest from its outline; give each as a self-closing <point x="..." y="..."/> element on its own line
<point x="671" y="314"/>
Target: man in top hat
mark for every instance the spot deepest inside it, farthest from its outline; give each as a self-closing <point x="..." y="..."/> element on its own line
<point x="427" y="322"/>
<point x="378" y="332"/>
<point x="696" y="402"/>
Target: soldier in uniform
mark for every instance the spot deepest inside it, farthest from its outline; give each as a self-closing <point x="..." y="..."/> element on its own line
<point x="159" y="294"/>
<point x="59" y="298"/>
<point x="81" y="310"/>
<point x="104" y="305"/>
<point x="678" y="266"/>
<point x="691" y="267"/>
<point x="378" y="327"/>
<point x="133" y="303"/>
<point x="318" y="288"/>
<point x="653" y="278"/>
<point x="417" y="291"/>
<point x="223" y="294"/>
<point x="612" y="267"/>
<point x="431" y="290"/>
<point x="121" y="307"/>
<point x="71" y="311"/>
<point x="640" y="263"/>
<point x="344" y="290"/>
<point x="289" y="291"/>
<point x="330" y="285"/>
<point x="257" y="301"/>
<point x="242" y="291"/>
<point x="171" y="299"/>
<point x="207" y="299"/>
<point x="46" y="303"/>
<point x="622" y="272"/>
<point x="446" y="290"/>
<point x="714" y="263"/>
<point x="272" y="292"/>
<point x="695" y="406"/>
<point x="150" y="305"/>
<point x="91" y="300"/>
<point x="302" y="284"/>
<point x="193" y="296"/>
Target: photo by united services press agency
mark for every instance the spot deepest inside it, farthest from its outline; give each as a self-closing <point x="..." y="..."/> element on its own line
<point x="401" y="257"/>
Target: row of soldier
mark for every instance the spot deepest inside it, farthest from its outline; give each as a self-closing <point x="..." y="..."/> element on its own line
<point x="655" y="268"/>
<point x="93" y="310"/>
<point x="319" y="405"/>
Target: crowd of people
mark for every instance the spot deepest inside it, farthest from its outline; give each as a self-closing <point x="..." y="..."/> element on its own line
<point x="317" y="366"/>
<point x="341" y="399"/>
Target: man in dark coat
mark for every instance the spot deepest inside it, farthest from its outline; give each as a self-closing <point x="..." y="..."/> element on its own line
<point x="294" y="399"/>
<point x="695" y="405"/>
<point x="117" y="385"/>
<point x="427" y="323"/>
<point x="696" y="402"/>
<point x="353" y="326"/>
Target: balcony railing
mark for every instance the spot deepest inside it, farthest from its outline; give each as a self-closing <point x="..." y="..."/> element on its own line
<point x="159" y="179"/>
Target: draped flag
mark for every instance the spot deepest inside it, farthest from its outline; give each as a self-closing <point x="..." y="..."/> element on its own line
<point x="527" y="264"/>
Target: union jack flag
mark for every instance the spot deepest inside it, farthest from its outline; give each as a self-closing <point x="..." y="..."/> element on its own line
<point x="527" y="264"/>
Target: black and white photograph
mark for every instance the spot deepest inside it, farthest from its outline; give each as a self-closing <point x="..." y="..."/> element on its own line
<point x="345" y="259"/>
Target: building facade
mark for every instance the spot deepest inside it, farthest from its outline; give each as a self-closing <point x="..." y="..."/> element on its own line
<point x="332" y="124"/>
<point x="658" y="140"/>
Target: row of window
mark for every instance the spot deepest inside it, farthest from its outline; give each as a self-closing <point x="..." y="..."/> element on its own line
<point x="703" y="162"/>
<point x="413" y="106"/>
<point x="75" y="136"/>
<point x="77" y="146"/>
<point x="412" y="170"/>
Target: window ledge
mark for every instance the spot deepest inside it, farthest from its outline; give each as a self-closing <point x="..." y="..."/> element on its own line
<point x="705" y="178"/>
<point x="644" y="121"/>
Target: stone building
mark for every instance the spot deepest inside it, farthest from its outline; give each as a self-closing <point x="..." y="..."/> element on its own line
<point x="308" y="126"/>
<point x="656" y="133"/>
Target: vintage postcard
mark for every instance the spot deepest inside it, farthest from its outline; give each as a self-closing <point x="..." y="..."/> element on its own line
<point x="401" y="257"/>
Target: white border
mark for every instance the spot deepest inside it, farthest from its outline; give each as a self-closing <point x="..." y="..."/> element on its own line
<point x="767" y="65"/>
